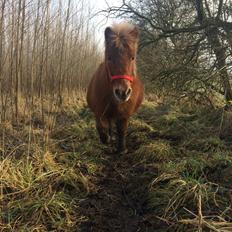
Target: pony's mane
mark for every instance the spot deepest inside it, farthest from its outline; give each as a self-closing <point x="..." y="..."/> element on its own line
<point x="123" y="28"/>
<point x="122" y="35"/>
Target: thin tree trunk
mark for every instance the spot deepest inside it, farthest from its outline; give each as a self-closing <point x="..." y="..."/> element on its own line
<point x="212" y="34"/>
<point x="17" y="61"/>
<point x="62" y="54"/>
<point x="1" y="55"/>
<point x="219" y="51"/>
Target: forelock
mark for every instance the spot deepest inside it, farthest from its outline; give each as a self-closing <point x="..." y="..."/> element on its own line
<point x="122" y="37"/>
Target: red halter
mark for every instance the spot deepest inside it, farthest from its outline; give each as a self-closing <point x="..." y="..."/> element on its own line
<point x="115" y="77"/>
<point x="129" y="78"/>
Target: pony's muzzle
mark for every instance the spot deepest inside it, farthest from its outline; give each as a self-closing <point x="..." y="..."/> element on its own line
<point x="122" y="95"/>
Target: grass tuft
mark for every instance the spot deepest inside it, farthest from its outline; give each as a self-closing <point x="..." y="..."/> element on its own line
<point x="177" y="174"/>
<point x="156" y="151"/>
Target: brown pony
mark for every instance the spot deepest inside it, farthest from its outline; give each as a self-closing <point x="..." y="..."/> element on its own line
<point x="115" y="91"/>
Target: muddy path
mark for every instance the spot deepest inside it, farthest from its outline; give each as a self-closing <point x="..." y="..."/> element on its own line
<point x="165" y="146"/>
<point x="119" y="201"/>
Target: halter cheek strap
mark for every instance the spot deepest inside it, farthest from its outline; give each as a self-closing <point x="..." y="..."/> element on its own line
<point x="126" y="77"/>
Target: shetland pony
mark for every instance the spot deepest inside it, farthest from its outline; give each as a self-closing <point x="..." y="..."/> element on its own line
<point x="115" y="91"/>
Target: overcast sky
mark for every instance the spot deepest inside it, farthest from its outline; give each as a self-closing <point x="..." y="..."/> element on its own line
<point x="100" y="21"/>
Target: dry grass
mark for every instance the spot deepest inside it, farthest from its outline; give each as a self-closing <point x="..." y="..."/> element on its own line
<point x="45" y="167"/>
<point x="175" y="175"/>
<point x="155" y="151"/>
<point x="54" y="173"/>
<point x="192" y="192"/>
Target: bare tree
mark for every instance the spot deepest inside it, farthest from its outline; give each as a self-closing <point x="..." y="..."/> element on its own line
<point x="46" y="51"/>
<point x="200" y="29"/>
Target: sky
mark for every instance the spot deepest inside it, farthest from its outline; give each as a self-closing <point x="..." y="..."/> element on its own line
<point x="100" y="21"/>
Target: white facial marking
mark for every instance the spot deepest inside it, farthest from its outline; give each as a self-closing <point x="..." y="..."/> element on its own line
<point x="121" y="94"/>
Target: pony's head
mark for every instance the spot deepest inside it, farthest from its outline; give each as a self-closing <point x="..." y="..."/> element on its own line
<point x="120" y="54"/>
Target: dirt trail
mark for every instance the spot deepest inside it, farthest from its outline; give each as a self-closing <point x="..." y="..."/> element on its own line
<point x="120" y="201"/>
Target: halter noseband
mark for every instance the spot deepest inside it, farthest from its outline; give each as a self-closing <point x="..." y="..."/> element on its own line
<point x="115" y="77"/>
<point x="126" y="77"/>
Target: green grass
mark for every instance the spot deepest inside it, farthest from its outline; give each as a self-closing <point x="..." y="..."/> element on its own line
<point x="156" y="151"/>
<point x="191" y="192"/>
<point x="38" y="192"/>
<point x="43" y="184"/>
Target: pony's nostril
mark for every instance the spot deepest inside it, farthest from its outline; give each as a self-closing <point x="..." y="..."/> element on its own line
<point x="117" y="92"/>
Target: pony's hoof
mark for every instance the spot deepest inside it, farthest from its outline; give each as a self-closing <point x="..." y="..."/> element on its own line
<point x="122" y="151"/>
<point x="112" y="139"/>
<point x="105" y="139"/>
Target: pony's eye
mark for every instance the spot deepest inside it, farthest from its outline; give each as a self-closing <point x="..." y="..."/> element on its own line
<point x="132" y="58"/>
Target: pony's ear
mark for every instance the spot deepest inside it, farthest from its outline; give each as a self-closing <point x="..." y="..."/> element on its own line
<point x="135" y="32"/>
<point x="108" y="34"/>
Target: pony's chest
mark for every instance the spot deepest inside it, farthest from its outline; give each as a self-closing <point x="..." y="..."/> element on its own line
<point x="123" y="110"/>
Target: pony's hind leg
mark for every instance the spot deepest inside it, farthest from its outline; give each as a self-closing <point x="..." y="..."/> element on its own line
<point x="102" y="126"/>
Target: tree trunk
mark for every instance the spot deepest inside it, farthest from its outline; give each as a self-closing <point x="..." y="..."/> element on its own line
<point x="219" y="51"/>
<point x="212" y="34"/>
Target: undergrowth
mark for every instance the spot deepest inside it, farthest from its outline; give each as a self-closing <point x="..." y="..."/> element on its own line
<point x="192" y="191"/>
<point x="44" y="176"/>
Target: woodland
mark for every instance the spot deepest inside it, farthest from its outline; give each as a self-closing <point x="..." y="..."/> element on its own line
<point x="55" y="175"/>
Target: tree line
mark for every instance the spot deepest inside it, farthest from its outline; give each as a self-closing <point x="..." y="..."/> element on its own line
<point x="185" y="46"/>
<point x="47" y="51"/>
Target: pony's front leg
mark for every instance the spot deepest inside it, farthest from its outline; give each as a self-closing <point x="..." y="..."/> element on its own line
<point x="102" y="126"/>
<point x="121" y="131"/>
